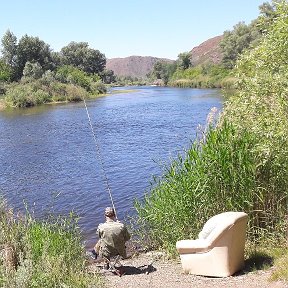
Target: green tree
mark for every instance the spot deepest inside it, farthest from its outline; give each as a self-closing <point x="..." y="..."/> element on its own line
<point x="261" y="108"/>
<point x="236" y="41"/>
<point x="9" y="48"/>
<point x="82" y="57"/>
<point x="9" y="51"/>
<point x="73" y="75"/>
<point x="184" y="60"/>
<point x="108" y="76"/>
<point x="32" y="70"/>
<point x="5" y="71"/>
<point x="163" y="70"/>
<point x="32" y="49"/>
<point x="267" y="15"/>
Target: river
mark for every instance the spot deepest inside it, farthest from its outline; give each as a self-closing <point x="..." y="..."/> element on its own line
<point x="49" y="159"/>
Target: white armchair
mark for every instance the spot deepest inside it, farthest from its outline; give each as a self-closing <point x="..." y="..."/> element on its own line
<point x="219" y="250"/>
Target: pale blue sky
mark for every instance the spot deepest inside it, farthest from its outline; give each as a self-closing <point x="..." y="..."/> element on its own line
<point x="123" y="28"/>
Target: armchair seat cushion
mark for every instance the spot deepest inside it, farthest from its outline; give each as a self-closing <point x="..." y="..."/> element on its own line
<point x="192" y="246"/>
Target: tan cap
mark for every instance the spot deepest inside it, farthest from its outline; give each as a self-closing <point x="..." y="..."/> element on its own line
<point x="109" y="212"/>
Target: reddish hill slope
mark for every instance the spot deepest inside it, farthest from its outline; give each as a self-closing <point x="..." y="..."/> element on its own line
<point x="140" y="66"/>
<point x="208" y="51"/>
<point x="134" y="66"/>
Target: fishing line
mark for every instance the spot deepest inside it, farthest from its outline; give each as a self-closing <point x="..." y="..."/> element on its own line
<point x="100" y="158"/>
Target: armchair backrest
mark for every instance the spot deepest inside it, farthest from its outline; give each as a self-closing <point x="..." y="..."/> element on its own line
<point x="216" y="226"/>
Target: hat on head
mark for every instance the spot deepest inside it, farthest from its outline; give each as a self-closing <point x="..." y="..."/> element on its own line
<point x="109" y="212"/>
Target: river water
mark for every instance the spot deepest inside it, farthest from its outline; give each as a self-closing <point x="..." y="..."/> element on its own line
<point x="49" y="159"/>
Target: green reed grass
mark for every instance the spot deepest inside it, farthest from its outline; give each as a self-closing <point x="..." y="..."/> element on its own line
<point x="218" y="173"/>
<point x="46" y="253"/>
<point x="207" y="180"/>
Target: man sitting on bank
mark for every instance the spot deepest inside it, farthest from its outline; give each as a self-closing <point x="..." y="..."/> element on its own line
<point x="112" y="237"/>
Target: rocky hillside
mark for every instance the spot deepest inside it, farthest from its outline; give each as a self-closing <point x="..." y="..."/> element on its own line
<point x="208" y="51"/>
<point x="134" y="66"/>
<point x="140" y="66"/>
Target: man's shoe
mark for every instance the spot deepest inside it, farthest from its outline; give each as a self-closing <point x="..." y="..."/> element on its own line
<point x="94" y="254"/>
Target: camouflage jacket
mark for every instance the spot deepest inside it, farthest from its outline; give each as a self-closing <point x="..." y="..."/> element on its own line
<point x="113" y="236"/>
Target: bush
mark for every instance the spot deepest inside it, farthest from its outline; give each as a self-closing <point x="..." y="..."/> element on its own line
<point x="75" y="93"/>
<point x="20" y="96"/>
<point x="97" y="88"/>
<point x="205" y="76"/>
<point x="47" y="253"/>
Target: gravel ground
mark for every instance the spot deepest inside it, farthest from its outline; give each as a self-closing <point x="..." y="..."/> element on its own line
<point x="151" y="270"/>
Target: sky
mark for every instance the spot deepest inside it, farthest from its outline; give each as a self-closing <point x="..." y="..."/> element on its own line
<point x="122" y="28"/>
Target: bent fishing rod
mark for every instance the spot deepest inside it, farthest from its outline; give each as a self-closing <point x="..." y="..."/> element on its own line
<point x="100" y="158"/>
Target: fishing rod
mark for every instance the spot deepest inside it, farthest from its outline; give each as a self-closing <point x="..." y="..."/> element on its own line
<point x="100" y="158"/>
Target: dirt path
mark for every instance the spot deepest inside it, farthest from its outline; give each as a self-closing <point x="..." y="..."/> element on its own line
<point x="167" y="273"/>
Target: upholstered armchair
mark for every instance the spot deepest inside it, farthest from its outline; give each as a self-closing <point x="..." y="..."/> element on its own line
<point x="219" y="249"/>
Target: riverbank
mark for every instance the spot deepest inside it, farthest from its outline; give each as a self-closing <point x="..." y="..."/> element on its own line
<point x="93" y="97"/>
<point x="168" y="273"/>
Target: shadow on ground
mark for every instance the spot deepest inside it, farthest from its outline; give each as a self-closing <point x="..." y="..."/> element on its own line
<point x="145" y="269"/>
<point x="256" y="262"/>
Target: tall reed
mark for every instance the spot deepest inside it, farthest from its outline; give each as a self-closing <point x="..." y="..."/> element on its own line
<point x="214" y="176"/>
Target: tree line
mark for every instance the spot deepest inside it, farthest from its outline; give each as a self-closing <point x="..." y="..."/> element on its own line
<point x="32" y="57"/>
<point x="31" y="73"/>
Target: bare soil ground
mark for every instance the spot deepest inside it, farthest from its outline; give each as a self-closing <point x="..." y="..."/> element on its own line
<point x="152" y="270"/>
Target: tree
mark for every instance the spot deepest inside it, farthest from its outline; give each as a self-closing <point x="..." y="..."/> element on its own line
<point x="32" y="49"/>
<point x="73" y="75"/>
<point x="243" y="36"/>
<point x="82" y="57"/>
<point x="236" y="41"/>
<point x="5" y="71"/>
<point x="9" y="52"/>
<point x="163" y="70"/>
<point x="32" y="70"/>
<point x="184" y="60"/>
<point x="267" y="15"/>
<point x="9" y="48"/>
<point x="108" y="76"/>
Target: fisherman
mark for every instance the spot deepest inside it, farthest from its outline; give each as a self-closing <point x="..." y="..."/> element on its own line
<point x="112" y="237"/>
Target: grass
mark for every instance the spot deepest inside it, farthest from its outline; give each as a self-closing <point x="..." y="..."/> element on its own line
<point x="281" y="267"/>
<point x="47" y="253"/>
<point x="263" y="258"/>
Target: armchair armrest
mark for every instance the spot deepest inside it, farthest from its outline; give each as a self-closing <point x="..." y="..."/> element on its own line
<point x="192" y="246"/>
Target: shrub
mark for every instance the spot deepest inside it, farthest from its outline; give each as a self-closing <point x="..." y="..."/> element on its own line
<point x="19" y="96"/>
<point x="48" y="253"/>
<point x="75" y="93"/>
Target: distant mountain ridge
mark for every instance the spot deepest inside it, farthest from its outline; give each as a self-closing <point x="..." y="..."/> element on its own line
<point x="140" y="66"/>
<point x="134" y="66"/>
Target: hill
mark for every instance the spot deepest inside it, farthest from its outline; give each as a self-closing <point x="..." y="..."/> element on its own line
<point x="208" y="51"/>
<point x="140" y="66"/>
<point x="134" y="66"/>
